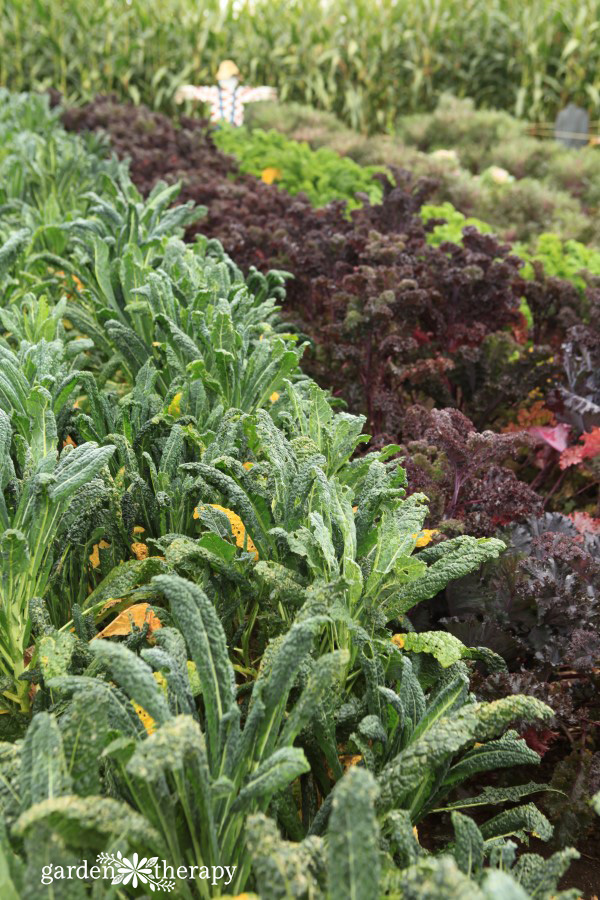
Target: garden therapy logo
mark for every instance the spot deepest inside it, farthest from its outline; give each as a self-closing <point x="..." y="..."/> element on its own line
<point x="135" y="871"/>
<point x="157" y="874"/>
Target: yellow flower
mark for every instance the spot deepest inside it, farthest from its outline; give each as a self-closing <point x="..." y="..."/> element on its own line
<point x="138" y="529"/>
<point x="175" y="405"/>
<point x="425" y="536"/>
<point x="398" y="640"/>
<point x="140" y="551"/>
<point x="237" y="527"/>
<point x="248" y="465"/>
<point x="270" y="174"/>
<point x="274" y="397"/>
<point x="415" y="832"/>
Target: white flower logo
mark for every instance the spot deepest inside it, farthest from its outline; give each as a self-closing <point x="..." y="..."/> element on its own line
<point x="135" y="871"/>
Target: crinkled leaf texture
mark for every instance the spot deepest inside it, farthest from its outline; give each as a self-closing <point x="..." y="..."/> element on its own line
<point x="447" y="648"/>
<point x="353" y="838"/>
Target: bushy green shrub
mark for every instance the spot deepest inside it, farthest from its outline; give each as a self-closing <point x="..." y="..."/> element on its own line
<point x="579" y="174"/>
<point x="457" y="124"/>
<point x="529" y="157"/>
<point x="524" y="208"/>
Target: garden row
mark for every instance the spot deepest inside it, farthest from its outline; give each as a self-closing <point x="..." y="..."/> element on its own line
<point x="530" y="212"/>
<point x="367" y="62"/>
<point x="491" y="349"/>
<point x="418" y="337"/>
<point x="484" y="162"/>
<point x="192" y="548"/>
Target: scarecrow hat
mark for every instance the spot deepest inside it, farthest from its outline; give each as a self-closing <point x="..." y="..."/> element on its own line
<point x="227" y="69"/>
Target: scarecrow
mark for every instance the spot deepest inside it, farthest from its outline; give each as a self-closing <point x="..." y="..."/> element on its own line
<point x="228" y="97"/>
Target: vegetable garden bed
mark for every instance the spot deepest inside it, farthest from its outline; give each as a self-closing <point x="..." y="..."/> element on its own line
<point x="277" y="630"/>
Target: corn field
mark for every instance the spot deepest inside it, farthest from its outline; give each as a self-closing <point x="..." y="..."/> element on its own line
<point x="369" y="62"/>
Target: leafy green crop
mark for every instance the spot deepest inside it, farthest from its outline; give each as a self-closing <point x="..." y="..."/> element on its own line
<point x="568" y="259"/>
<point x="321" y="174"/>
<point x="202" y="773"/>
<point x="192" y="548"/>
<point x="562" y="259"/>
<point x="455" y="221"/>
<point x="45" y="174"/>
<point x="37" y="486"/>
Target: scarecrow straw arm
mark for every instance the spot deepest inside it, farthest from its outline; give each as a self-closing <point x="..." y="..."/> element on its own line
<point x="203" y="93"/>
<point x="259" y="93"/>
